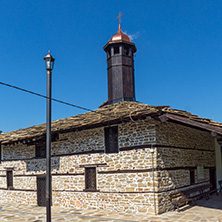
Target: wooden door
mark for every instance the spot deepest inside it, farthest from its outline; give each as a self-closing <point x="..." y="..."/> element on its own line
<point x="41" y="190"/>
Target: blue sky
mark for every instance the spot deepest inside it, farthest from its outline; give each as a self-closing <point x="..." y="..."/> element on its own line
<point x="178" y="62"/>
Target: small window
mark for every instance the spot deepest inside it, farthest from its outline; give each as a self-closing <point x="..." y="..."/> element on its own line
<point x="192" y="177"/>
<point x="111" y="139"/>
<point x="90" y="178"/>
<point x="9" y="177"/>
<point x="40" y="151"/>
<point x="116" y="50"/>
<point x="1" y="153"/>
<point x="126" y="51"/>
<point x="108" y="54"/>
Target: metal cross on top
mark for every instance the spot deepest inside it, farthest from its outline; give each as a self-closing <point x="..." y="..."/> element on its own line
<point x="119" y="17"/>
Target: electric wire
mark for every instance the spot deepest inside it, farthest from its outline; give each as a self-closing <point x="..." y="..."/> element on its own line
<point x="40" y="95"/>
<point x="57" y="100"/>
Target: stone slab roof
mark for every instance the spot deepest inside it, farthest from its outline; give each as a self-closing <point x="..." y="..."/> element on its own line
<point x="110" y="114"/>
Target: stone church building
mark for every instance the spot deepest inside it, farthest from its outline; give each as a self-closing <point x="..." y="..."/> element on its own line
<point x="125" y="156"/>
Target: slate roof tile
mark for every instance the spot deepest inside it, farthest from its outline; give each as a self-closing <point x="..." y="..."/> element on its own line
<point x="104" y="114"/>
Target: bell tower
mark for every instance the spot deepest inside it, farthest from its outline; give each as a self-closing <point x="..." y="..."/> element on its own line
<point x="120" y="67"/>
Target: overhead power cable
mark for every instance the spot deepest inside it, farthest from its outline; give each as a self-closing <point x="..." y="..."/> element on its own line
<point x="40" y="95"/>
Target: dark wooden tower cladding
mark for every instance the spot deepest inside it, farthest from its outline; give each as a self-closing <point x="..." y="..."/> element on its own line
<point x="120" y="67"/>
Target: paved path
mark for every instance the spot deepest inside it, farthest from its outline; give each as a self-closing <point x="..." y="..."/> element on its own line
<point x="204" y="211"/>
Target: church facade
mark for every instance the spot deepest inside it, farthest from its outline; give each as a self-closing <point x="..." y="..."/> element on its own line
<point x="125" y="156"/>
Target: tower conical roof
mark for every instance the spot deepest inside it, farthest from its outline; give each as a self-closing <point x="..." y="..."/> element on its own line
<point x="120" y="36"/>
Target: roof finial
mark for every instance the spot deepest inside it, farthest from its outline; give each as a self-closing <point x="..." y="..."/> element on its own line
<point x="119" y="17"/>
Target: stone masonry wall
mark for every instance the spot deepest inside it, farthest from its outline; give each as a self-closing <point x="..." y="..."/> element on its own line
<point x="120" y="202"/>
<point x="19" y="197"/>
<point x="184" y="148"/>
<point x="125" y="184"/>
<point x="174" y="134"/>
<point x="112" y="185"/>
<point x="18" y="151"/>
<point x="119" y="182"/>
<point x="3" y="182"/>
<point x="85" y="140"/>
<point x="136" y="133"/>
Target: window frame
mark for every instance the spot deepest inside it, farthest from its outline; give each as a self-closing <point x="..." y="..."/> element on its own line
<point x="116" y="50"/>
<point x="126" y="51"/>
<point x="9" y="179"/>
<point x="91" y="189"/>
<point x="1" y="153"/>
<point x="108" y="54"/>
<point x="38" y="148"/>
<point x="111" y="147"/>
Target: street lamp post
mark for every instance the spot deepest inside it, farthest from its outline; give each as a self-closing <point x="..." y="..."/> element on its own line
<point x="49" y="63"/>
